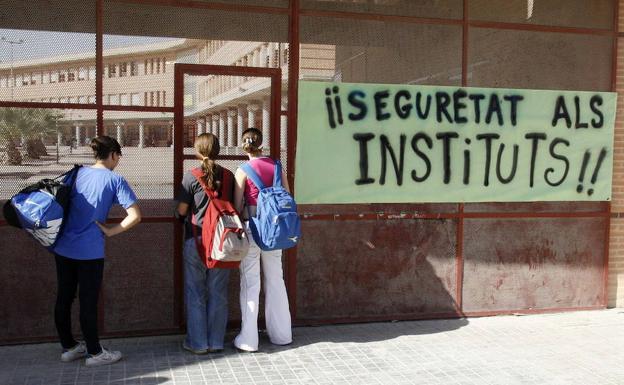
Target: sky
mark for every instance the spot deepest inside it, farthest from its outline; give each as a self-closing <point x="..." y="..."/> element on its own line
<point x="39" y="44"/>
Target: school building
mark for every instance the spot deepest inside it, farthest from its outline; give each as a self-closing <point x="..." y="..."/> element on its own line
<point x="154" y="74"/>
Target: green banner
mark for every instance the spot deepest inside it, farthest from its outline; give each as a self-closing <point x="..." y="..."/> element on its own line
<point x="380" y="143"/>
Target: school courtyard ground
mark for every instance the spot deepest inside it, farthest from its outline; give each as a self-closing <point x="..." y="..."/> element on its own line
<point x="566" y="348"/>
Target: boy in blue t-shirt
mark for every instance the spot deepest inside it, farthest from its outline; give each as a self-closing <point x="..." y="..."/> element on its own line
<point x="79" y="251"/>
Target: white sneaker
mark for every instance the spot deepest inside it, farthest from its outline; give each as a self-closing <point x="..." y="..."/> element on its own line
<point x="78" y="351"/>
<point x="105" y="357"/>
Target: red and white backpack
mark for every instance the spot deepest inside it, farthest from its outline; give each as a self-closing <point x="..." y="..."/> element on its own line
<point x="224" y="242"/>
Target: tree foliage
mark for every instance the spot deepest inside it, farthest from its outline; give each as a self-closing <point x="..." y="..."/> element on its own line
<point x="26" y="127"/>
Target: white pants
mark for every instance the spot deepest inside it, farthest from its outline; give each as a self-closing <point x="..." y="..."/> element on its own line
<point x="276" y="311"/>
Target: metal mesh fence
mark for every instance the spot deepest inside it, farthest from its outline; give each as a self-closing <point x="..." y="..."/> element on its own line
<point x="350" y="50"/>
<point x="451" y="9"/>
<point x="147" y="162"/>
<point x="47" y="67"/>
<point x="38" y="143"/>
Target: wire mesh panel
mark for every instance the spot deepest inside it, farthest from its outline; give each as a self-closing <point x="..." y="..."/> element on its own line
<point x="529" y="59"/>
<point x="575" y="13"/>
<point x="225" y="106"/>
<point x="141" y="47"/>
<point x="147" y="161"/>
<point x="451" y="9"/>
<point x="38" y="143"/>
<point x="45" y="57"/>
<point x="365" y="51"/>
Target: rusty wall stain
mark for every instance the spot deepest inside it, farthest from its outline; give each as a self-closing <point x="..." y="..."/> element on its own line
<point x="375" y="268"/>
<point x="535" y="263"/>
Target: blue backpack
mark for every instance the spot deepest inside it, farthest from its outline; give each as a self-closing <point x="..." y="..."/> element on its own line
<point x="40" y="208"/>
<point x="276" y="224"/>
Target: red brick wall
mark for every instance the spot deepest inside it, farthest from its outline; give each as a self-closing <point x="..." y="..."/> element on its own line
<point x="616" y="244"/>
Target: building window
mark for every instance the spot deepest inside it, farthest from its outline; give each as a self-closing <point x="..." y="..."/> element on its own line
<point x="158" y="65"/>
<point x="113" y="99"/>
<point x="151" y="98"/>
<point x="124" y="99"/>
<point x="145" y="99"/>
<point x="54" y="77"/>
<point x="91" y="99"/>
<point x="3" y="82"/>
<point x="151" y="66"/>
<point x="135" y="99"/>
<point x="82" y="99"/>
<point x="164" y="98"/>
<point x="123" y="69"/>
<point x="83" y="73"/>
<point x="145" y="67"/>
<point x="134" y="68"/>
<point x="71" y="75"/>
<point x="112" y="70"/>
<point x="45" y="78"/>
<point x="34" y="77"/>
<point x="61" y="77"/>
<point x="91" y="73"/>
<point x="71" y="100"/>
<point x="17" y="82"/>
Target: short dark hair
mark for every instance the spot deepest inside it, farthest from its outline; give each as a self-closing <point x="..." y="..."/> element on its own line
<point x="103" y="146"/>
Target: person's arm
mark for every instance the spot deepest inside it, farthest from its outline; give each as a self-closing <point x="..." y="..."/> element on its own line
<point x="239" y="188"/>
<point x="285" y="181"/>
<point x="132" y="218"/>
<point x="185" y="197"/>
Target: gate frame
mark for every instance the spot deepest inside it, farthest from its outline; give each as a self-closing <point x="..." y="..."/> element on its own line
<point x="181" y="69"/>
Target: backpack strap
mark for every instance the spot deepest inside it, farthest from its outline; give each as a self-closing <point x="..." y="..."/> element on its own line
<point x="253" y="175"/>
<point x="225" y="193"/>
<point x="199" y="175"/>
<point x="277" y="176"/>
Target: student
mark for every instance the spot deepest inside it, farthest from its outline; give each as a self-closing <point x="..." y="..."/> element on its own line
<point x="79" y="252"/>
<point x="205" y="290"/>
<point x="276" y="310"/>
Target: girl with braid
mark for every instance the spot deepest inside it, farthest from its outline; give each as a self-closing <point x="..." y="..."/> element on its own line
<point x="205" y="289"/>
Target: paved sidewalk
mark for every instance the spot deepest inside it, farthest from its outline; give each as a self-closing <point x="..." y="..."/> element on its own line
<point x="569" y="348"/>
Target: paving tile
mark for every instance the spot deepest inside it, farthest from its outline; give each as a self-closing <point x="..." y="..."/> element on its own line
<point x="566" y="348"/>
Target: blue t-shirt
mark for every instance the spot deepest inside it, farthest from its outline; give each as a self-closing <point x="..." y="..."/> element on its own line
<point x="95" y="192"/>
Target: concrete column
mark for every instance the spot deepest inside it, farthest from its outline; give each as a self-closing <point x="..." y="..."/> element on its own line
<point x="59" y="137"/>
<point x="251" y="115"/>
<point x="119" y="133"/>
<point x="231" y="129"/>
<point x="266" y="122"/>
<point x="141" y="134"/>
<point x="200" y="126"/>
<point x="240" y="120"/>
<point x="222" y="138"/>
<point x="264" y="52"/>
<point x="78" y="135"/>
<point x="283" y="127"/>
<point x="215" y="124"/>
<point x="207" y="124"/>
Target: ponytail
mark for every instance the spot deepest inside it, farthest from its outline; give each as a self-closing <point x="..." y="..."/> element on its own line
<point x="211" y="171"/>
<point x="207" y="148"/>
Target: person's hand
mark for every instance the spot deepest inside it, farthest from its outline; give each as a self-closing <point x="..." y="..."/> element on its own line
<point x="105" y="229"/>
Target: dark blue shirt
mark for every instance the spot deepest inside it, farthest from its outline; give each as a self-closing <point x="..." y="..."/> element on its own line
<point x="95" y="192"/>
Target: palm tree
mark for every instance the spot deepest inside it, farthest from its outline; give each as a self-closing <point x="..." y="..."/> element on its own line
<point x="28" y="126"/>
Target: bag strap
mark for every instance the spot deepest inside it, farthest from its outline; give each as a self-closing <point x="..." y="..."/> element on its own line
<point x="199" y="175"/>
<point x="253" y="175"/>
<point x="71" y="174"/>
<point x="277" y="176"/>
<point x="226" y="185"/>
